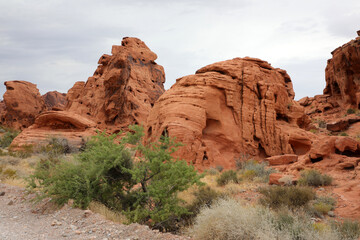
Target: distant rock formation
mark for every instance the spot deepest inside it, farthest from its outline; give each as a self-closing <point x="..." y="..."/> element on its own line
<point x="342" y="75"/>
<point x="54" y="100"/>
<point x="121" y="92"/>
<point x="229" y="108"/>
<point x="22" y="103"/>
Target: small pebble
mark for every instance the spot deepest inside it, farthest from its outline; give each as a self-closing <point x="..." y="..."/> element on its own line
<point x="2" y="193"/>
<point x="10" y="203"/>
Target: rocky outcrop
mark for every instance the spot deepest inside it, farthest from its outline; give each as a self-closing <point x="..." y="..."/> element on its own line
<point x="54" y="100"/>
<point x="23" y="102"/>
<point x="60" y="124"/>
<point x="342" y="91"/>
<point x="123" y="88"/>
<point x="342" y="74"/>
<point x="121" y="92"/>
<point x="243" y="105"/>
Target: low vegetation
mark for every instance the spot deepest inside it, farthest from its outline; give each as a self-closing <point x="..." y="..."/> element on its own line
<point x="314" y="178"/>
<point x="227" y="177"/>
<point x="145" y="189"/>
<point x="229" y="219"/>
<point x="127" y="181"/>
<point x="7" y="136"/>
<point x="289" y="196"/>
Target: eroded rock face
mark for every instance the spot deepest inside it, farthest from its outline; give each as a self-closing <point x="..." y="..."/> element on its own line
<point x="342" y="91"/>
<point x="243" y="105"/>
<point x="123" y="88"/>
<point x="55" y="100"/>
<point x="342" y="74"/>
<point x="121" y="92"/>
<point x="60" y="124"/>
<point x="23" y="103"/>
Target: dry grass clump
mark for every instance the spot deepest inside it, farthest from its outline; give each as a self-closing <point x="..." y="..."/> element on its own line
<point x="100" y="208"/>
<point x="228" y="219"/>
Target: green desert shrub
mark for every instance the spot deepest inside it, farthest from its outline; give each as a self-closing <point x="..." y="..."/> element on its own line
<point x="344" y="134"/>
<point x="322" y="205"/>
<point x="288" y="196"/>
<point x="8" y="137"/>
<point x="145" y="190"/>
<point x="314" y="178"/>
<point x="252" y="170"/>
<point x="228" y="219"/>
<point x="322" y="208"/>
<point x="226" y="177"/>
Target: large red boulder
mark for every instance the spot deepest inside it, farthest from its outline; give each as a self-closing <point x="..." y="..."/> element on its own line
<point x="22" y="103"/>
<point x="243" y="105"/>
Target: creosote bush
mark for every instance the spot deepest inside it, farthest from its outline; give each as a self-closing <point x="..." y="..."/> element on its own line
<point x="144" y="190"/>
<point x="314" y="178"/>
<point x="289" y="196"/>
<point x="226" y="177"/>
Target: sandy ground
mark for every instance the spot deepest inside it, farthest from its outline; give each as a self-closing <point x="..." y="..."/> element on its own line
<point x="22" y="220"/>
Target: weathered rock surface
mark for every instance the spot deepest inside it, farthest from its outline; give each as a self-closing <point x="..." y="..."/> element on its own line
<point x="282" y="159"/>
<point x="23" y="103"/>
<point x="121" y="92"/>
<point x="123" y="88"/>
<point x="342" y="91"/>
<point x="54" y="100"/>
<point x="60" y="124"/>
<point x="243" y="105"/>
<point x="342" y="74"/>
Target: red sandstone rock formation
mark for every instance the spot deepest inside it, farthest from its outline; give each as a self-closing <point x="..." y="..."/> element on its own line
<point x="54" y="100"/>
<point x="342" y="89"/>
<point x="227" y="108"/>
<point x="23" y="103"/>
<point x="123" y="88"/>
<point x="60" y="124"/>
<point x="121" y="92"/>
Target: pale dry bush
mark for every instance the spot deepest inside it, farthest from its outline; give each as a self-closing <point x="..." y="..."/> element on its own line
<point x="287" y="180"/>
<point x="229" y="220"/>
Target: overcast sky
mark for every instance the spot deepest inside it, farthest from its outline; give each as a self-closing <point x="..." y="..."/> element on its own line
<point x="54" y="43"/>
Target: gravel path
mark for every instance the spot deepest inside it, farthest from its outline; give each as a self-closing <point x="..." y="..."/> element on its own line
<point x="21" y="220"/>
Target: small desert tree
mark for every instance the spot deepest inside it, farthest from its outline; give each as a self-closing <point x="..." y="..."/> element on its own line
<point x="140" y="179"/>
